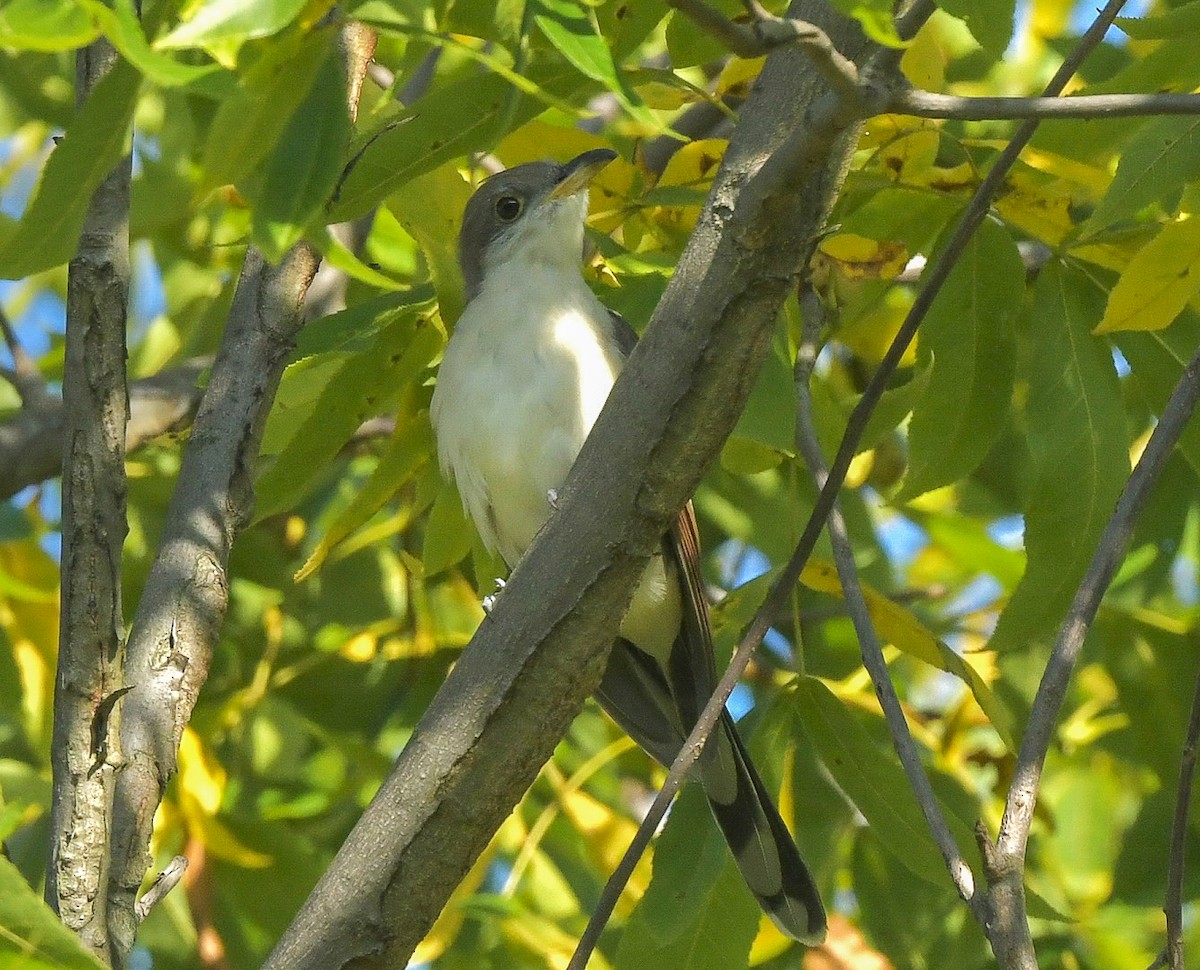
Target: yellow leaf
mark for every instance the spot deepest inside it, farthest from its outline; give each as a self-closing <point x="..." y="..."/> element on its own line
<point x="738" y="76"/>
<point x="201" y="776"/>
<point x="865" y="259"/>
<point x="871" y="334"/>
<point x="1042" y="210"/>
<point x="1159" y="281"/>
<point x="884" y="129"/>
<point x="902" y="629"/>
<point x="924" y="62"/>
<point x="201" y="787"/>
<point x="910" y="157"/>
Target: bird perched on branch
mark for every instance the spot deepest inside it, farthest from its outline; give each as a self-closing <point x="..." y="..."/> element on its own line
<point x="524" y="377"/>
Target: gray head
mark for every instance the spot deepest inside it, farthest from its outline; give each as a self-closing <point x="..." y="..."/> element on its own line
<point x="535" y="210"/>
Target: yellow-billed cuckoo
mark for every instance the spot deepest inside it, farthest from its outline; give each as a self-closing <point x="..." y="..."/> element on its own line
<point x="524" y="377"/>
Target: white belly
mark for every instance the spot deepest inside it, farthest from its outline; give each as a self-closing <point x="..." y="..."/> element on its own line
<point x="517" y="393"/>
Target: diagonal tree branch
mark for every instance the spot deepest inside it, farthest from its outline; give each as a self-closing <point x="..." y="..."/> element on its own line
<point x="543" y="647"/>
<point x="1022" y="795"/>
<point x="91" y="630"/>
<point x="183" y="603"/>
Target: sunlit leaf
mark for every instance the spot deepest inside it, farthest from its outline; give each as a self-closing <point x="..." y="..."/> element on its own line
<point x="1158" y="282"/>
<point x="223" y="25"/>
<point x="45" y="25"/>
<point x="121" y="25"/>
<point x="570" y="27"/>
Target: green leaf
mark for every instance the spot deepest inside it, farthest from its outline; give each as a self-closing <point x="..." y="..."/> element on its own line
<point x="410" y="447"/>
<point x="447" y="123"/>
<point x="226" y="24"/>
<point x="322" y="399"/>
<point x="1158" y="359"/>
<point x="990" y="21"/>
<point x="1079" y="444"/>
<point x="876" y="19"/>
<point x="31" y="936"/>
<point x="873" y="779"/>
<point x="249" y="122"/>
<point x="45" y="25"/>
<point x="696" y="912"/>
<point x="1181" y="21"/>
<point x="94" y="142"/>
<point x="572" y="29"/>
<point x="1160" y="280"/>
<point x="448" y="534"/>
<point x="970" y="340"/>
<point x="430" y="209"/>
<point x="1164" y="155"/>
<point x="767" y="426"/>
<point x="897" y="625"/>
<point x="121" y="25"/>
<point x="304" y="167"/>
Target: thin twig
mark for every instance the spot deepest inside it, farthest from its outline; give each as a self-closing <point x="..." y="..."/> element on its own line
<point x="1022" y="795"/>
<point x="24" y="376"/>
<point x="809" y="446"/>
<point x="926" y="104"/>
<point x="1173" y="905"/>
<point x="167" y="880"/>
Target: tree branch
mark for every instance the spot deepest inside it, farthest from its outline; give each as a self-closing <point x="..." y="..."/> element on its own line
<point x="1022" y="795"/>
<point x="809" y="446"/>
<point x="183" y="604"/>
<point x="91" y="630"/>
<point x="1173" y="905"/>
<point x="31" y="443"/>
<point x="25" y="377"/>
<point x="925" y="104"/>
<point x="765" y="32"/>
<point x="543" y="648"/>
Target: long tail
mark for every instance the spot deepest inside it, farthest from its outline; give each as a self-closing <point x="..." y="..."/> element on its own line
<point x="636" y="695"/>
<point x="762" y="847"/>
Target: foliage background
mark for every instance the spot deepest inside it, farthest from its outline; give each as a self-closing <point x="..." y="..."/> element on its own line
<point x="974" y="504"/>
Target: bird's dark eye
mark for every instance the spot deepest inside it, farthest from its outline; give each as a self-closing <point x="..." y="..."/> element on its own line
<point x="508" y="207"/>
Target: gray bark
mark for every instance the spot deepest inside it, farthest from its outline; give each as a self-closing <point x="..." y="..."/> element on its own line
<point x="95" y="410"/>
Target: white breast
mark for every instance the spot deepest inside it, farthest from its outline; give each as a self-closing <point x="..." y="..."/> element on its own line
<point x="518" y="391"/>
